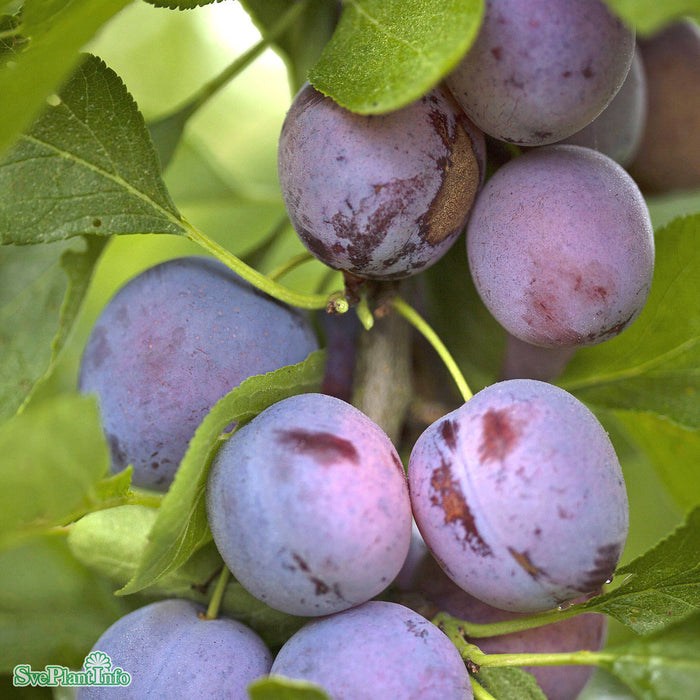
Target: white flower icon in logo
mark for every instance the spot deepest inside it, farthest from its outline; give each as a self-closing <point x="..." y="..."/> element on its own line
<point x="97" y="659"/>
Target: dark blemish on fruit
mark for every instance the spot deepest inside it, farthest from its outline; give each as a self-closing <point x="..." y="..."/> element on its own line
<point x="612" y="331"/>
<point x="537" y="532"/>
<point x="96" y="223"/>
<point x="302" y="564"/>
<point x="515" y="82"/>
<point x="499" y="435"/>
<point x="321" y="588"/>
<point x="588" y="72"/>
<point x="563" y="513"/>
<point x="542" y="134"/>
<point x="317" y="247"/>
<point x="548" y="290"/>
<point x="325" y="448"/>
<point x="566" y="74"/>
<point x="415" y="629"/>
<point x="604" y="565"/>
<point x="406" y="252"/>
<point x="523" y="560"/>
<point x="449" y="497"/>
<point x="387" y="201"/>
<point x="448" y="431"/>
<point x="115" y="448"/>
<point x="588" y="287"/>
<point x="154" y="465"/>
<point x="497" y="52"/>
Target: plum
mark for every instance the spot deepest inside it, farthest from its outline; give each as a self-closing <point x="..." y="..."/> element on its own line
<point x="520" y="497"/>
<point x="171" y="652"/>
<point x="376" y="650"/>
<point x="561" y="247"/>
<point x="541" y="71"/>
<point x="308" y="506"/>
<point x="380" y="196"/>
<point x="168" y="346"/>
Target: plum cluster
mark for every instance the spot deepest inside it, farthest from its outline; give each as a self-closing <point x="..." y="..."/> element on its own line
<point x="518" y="494"/>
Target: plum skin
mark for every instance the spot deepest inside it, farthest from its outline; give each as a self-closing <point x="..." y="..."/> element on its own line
<point x="520" y="497"/>
<point x="380" y="196"/>
<point x="308" y="505"/>
<point x="561" y="247"/>
<point x="169" y="651"/>
<point x="540" y="71"/>
<point x="617" y="131"/>
<point x="586" y="631"/>
<point x="168" y="345"/>
<point x="376" y="650"/>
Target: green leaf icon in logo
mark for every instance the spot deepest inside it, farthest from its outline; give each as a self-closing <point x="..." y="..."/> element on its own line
<point x="97" y="659"/>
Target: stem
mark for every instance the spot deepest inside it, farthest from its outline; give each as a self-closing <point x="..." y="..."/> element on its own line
<point x="480" y="693"/>
<point x="288" y="266"/>
<point x="382" y="386"/>
<point x="456" y="631"/>
<point x="135" y="498"/>
<point x="243" y="61"/>
<point x="257" y="279"/>
<point x="432" y="337"/>
<point x="364" y="313"/>
<point x="578" y="658"/>
<point x="218" y="595"/>
<point x="495" y="629"/>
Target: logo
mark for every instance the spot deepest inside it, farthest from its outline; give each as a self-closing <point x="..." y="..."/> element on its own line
<point x="97" y="671"/>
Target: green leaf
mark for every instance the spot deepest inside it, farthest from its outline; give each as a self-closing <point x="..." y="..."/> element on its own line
<point x="181" y="526"/>
<point x="386" y="54"/>
<point x="302" y="44"/>
<point x="58" y="31"/>
<point x="512" y="683"/>
<point x="110" y="542"/>
<point x="277" y="687"/>
<point x="673" y="451"/>
<point x="52" y="609"/>
<point x="654" y="365"/>
<point x="662" y="586"/>
<point x="665" y="666"/>
<point x="650" y="15"/>
<point x="11" y="41"/>
<point x="181" y="4"/>
<point x="115" y="486"/>
<point x="51" y="457"/>
<point x="87" y="166"/>
<point x="34" y="325"/>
